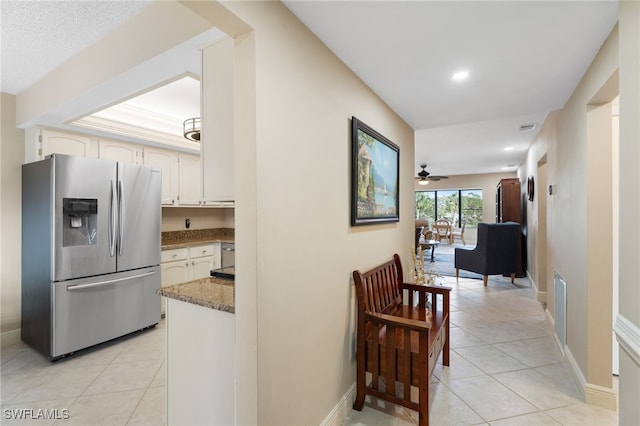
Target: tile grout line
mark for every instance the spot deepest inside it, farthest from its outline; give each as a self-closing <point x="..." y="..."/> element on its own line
<point x="463" y="401"/>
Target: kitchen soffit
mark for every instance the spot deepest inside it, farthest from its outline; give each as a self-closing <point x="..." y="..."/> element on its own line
<point x="156" y="115"/>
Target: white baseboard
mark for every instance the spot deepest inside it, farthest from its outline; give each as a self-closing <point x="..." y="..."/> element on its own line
<point x="600" y="396"/>
<point x="551" y="323"/>
<point x="590" y="393"/>
<point x="541" y="296"/>
<point x="628" y="336"/>
<point x="341" y="409"/>
<point x="10" y="338"/>
<point x="574" y="369"/>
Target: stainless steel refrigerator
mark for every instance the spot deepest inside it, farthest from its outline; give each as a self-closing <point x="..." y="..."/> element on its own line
<point x="91" y="232"/>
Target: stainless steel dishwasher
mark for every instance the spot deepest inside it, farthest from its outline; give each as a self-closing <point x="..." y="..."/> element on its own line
<point x="228" y="255"/>
<point x="227" y="268"/>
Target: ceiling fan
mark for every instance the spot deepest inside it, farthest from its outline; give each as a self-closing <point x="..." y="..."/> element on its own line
<point x="424" y="176"/>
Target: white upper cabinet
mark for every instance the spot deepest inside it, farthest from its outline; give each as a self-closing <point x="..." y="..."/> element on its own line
<point x="190" y="180"/>
<point x="217" y="122"/>
<point x="182" y="178"/>
<point x="120" y="151"/>
<point x="53" y="142"/>
<point x="167" y="161"/>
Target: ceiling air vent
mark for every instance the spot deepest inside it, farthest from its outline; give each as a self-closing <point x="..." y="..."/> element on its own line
<point x="527" y="127"/>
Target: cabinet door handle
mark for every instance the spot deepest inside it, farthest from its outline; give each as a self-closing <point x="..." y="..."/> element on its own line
<point x="175" y="255"/>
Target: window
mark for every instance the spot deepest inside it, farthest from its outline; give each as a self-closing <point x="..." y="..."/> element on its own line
<point x="425" y="205"/>
<point x="471" y="206"/>
<point x="447" y="205"/>
<point x="455" y="205"/>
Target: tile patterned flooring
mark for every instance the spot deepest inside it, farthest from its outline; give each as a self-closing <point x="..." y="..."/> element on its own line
<point x="505" y="367"/>
<point x="505" y="370"/>
<point x="117" y="383"/>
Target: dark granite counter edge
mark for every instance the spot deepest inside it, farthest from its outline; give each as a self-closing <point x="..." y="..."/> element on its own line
<point x="207" y="302"/>
<point x="199" y="302"/>
<point x="197" y="236"/>
<point x="171" y="246"/>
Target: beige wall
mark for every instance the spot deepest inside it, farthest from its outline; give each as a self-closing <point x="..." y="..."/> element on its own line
<point x="628" y="323"/>
<point x="11" y="156"/>
<point x="536" y="155"/>
<point x="577" y="145"/>
<point x="173" y="218"/>
<point x="567" y="221"/>
<point x="306" y="249"/>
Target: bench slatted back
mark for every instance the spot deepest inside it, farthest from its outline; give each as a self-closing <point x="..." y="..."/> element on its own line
<point x="379" y="289"/>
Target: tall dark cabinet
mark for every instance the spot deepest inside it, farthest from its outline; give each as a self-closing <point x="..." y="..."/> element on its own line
<point x="509" y="209"/>
<point x="508" y="201"/>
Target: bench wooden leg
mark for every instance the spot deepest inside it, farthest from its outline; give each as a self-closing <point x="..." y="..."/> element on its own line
<point x="361" y="374"/>
<point x="513" y="276"/>
<point x="358" y="404"/>
<point x="485" y="279"/>
<point x="457" y="272"/>
<point x="445" y="349"/>
<point x="423" y="381"/>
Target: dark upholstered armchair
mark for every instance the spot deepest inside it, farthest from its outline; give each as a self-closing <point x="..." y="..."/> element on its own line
<point x="495" y="253"/>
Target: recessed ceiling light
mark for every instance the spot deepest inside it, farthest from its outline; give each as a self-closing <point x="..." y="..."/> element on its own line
<point x="460" y="76"/>
<point x="508" y="148"/>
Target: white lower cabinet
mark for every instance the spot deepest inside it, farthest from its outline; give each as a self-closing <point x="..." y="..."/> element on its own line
<point x="202" y="259"/>
<point x="174" y="269"/>
<point x="200" y="365"/>
<point x="188" y="264"/>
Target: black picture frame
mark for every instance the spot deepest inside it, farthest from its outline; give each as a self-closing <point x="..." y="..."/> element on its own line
<point x="530" y="188"/>
<point x="375" y="176"/>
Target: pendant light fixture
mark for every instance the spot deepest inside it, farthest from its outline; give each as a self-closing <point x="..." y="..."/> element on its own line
<point x="191" y="128"/>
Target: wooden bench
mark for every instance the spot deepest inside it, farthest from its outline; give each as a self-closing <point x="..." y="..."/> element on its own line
<point x="399" y="343"/>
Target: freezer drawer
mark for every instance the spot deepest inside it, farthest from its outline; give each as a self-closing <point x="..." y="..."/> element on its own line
<point x="92" y="311"/>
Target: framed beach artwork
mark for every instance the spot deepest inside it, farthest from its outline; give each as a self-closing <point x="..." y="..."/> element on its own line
<point x="374" y="176"/>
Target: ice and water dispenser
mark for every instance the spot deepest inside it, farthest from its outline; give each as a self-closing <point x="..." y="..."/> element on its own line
<point x="80" y="223"/>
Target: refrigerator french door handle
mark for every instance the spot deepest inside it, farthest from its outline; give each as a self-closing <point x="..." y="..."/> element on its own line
<point x="112" y="220"/>
<point x="120" y="216"/>
<point x="107" y="282"/>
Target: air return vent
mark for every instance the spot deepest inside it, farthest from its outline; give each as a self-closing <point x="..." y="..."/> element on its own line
<point x="560" y="293"/>
<point x="527" y="127"/>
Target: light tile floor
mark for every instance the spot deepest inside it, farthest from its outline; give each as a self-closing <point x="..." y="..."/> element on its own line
<point x="505" y="367"/>
<point x="116" y="383"/>
<point x="505" y="370"/>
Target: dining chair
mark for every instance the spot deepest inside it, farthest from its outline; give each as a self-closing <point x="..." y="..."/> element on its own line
<point x="442" y="228"/>
<point x="459" y="233"/>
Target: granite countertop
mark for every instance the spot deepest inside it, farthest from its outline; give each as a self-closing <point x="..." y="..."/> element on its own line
<point x="180" y="239"/>
<point x="214" y="293"/>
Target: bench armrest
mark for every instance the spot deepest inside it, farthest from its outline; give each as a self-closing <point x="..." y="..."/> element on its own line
<point x="426" y="288"/>
<point x="401" y="322"/>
